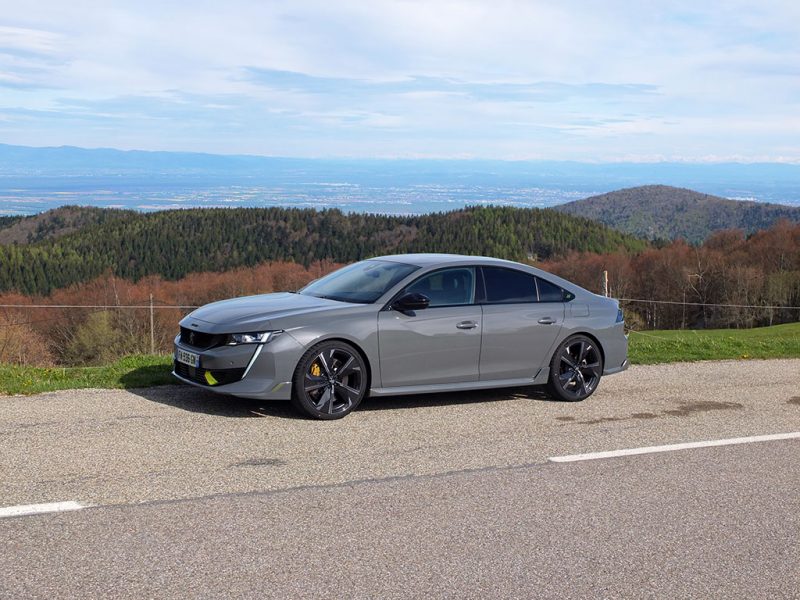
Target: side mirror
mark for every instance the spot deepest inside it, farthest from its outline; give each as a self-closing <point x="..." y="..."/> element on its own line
<point x="412" y="301"/>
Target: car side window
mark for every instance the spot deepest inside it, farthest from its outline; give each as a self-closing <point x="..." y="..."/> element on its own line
<point x="447" y="287"/>
<point x="507" y="286"/>
<point x="549" y="292"/>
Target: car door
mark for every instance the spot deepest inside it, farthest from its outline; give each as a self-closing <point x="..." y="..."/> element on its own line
<point x="438" y="344"/>
<point x="519" y="331"/>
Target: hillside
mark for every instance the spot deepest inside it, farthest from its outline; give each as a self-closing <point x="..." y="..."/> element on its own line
<point x="173" y="243"/>
<point x="52" y="223"/>
<point x="8" y="221"/>
<point x="664" y="212"/>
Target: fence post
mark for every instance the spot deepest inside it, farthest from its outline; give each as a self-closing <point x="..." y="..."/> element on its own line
<point x="605" y="283"/>
<point x="152" y="332"/>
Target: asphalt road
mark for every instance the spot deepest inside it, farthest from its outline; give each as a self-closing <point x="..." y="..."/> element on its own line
<point x="197" y="495"/>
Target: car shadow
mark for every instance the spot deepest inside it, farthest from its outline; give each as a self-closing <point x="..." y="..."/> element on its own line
<point x="198" y="400"/>
<point x="193" y="399"/>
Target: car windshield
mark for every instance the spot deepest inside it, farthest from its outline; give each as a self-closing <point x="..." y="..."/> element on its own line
<point x="363" y="282"/>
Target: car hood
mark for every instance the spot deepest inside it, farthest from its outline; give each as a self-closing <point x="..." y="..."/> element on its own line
<point x="255" y="313"/>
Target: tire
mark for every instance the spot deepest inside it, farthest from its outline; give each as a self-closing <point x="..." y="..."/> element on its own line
<point x="330" y="381"/>
<point x="575" y="369"/>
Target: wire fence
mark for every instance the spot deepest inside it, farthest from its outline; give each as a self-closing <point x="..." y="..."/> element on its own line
<point x="155" y="305"/>
<point x="106" y="306"/>
<point x="157" y="333"/>
<point x="90" y="308"/>
<point x="193" y="306"/>
<point x="711" y="304"/>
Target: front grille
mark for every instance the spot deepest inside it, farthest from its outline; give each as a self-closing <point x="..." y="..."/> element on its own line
<point x="204" y="341"/>
<point x="198" y="375"/>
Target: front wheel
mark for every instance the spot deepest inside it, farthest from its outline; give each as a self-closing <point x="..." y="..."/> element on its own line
<point x="330" y="381"/>
<point x="575" y="369"/>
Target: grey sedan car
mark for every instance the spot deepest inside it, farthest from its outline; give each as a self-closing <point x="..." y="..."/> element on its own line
<point x="406" y="324"/>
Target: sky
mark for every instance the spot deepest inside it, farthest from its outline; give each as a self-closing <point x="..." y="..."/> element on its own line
<point x="607" y="81"/>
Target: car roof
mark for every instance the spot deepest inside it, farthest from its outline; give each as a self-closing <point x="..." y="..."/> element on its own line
<point x="428" y="259"/>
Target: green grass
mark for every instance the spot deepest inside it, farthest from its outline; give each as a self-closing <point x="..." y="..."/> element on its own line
<point x="651" y="347"/>
<point x="129" y="372"/>
<point x="646" y="348"/>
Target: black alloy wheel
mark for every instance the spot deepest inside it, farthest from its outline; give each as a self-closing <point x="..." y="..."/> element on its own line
<point x="576" y="369"/>
<point x="330" y="381"/>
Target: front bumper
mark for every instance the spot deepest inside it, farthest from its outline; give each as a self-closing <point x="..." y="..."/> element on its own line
<point x="261" y="371"/>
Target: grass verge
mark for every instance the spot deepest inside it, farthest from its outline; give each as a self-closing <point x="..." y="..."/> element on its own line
<point x="652" y="347"/>
<point x="128" y="372"/>
<point x="646" y="348"/>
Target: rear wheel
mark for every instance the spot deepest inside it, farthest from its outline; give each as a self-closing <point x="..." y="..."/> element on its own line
<point x="575" y="369"/>
<point x="330" y="381"/>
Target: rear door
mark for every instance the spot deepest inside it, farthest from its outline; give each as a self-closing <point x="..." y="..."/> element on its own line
<point x="519" y="330"/>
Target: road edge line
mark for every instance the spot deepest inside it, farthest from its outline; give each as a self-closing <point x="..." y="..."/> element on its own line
<point x="22" y="510"/>
<point x="673" y="447"/>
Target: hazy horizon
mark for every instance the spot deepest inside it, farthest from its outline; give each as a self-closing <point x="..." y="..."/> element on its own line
<point x="36" y="179"/>
<point x="708" y="161"/>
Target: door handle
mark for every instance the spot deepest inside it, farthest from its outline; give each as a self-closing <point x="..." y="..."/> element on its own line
<point x="547" y="320"/>
<point x="467" y="325"/>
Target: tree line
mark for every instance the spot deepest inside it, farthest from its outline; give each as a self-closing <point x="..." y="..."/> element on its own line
<point x="746" y="274"/>
<point x="172" y="244"/>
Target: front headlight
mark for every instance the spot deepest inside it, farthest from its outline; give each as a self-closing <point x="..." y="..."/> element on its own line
<point x="262" y="337"/>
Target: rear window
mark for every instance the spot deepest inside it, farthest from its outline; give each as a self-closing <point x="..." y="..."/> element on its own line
<point x="549" y="292"/>
<point x="508" y="286"/>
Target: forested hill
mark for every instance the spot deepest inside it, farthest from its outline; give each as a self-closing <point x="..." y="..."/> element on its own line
<point x="53" y="223"/>
<point x="174" y="243"/>
<point x="664" y="212"/>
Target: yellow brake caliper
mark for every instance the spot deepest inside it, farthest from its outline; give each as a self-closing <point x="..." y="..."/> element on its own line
<point x="315" y="370"/>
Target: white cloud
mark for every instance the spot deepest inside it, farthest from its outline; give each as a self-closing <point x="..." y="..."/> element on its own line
<point x="26" y="39"/>
<point x="495" y="78"/>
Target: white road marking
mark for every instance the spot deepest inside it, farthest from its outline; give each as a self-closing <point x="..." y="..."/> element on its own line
<point x="671" y="447"/>
<point x="35" y="509"/>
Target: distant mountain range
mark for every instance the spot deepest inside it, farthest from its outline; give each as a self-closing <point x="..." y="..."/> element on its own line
<point x="44" y="173"/>
<point x="76" y="161"/>
<point x="651" y="212"/>
<point x="664" y="212"/>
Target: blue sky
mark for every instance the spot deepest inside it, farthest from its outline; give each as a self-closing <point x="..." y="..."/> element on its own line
<point x="576" y="80"/>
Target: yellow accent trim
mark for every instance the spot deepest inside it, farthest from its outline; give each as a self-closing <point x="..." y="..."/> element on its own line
<point x="210" y="378"/>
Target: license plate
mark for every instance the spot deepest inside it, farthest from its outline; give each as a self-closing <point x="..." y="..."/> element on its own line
<point x="187" y="358"/>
